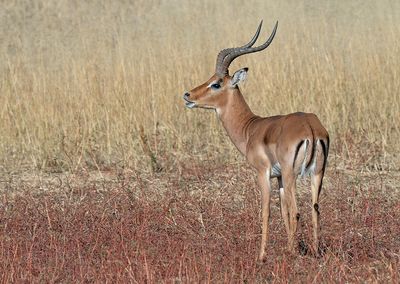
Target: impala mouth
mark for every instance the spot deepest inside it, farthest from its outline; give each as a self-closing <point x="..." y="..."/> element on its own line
<point x="189" y="104"/>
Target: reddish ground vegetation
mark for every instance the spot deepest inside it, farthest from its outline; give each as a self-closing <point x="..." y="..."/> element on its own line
<point x="197" y="226"/>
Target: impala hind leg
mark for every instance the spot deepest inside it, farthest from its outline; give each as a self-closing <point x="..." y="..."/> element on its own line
<point x="316" y="185"/>
<point x="265" y="185"/>
<point x="284" y="209"/>
<point x="289" y="183"/>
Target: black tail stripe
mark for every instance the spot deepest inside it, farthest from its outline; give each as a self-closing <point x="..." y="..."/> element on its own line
<point x="297" y="151"/>
<point x="327" y="147"/>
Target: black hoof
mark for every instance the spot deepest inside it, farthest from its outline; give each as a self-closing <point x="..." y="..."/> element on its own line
<point x="303" y="248"/>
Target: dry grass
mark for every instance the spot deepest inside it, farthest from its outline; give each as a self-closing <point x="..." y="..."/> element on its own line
<point x="78" y="80"/>
<point x="198" y="226"/>
<point x="104" y="176"/>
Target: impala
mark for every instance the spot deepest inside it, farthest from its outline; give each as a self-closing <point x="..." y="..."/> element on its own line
<point x="282" y="146"/>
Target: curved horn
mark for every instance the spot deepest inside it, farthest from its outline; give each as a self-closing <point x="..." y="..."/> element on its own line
<point x="223" y="53"/>
<point x="236" y="52"/>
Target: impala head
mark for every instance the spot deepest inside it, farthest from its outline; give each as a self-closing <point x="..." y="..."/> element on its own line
<point x="216" y="91"/>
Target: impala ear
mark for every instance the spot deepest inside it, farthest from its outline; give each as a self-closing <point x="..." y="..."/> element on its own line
<point x="239" y="76"/>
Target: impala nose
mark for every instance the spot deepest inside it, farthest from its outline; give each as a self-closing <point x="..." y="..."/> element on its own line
<point x="186" y="96"/>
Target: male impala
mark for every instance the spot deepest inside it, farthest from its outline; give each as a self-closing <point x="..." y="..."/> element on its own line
<point x="282" y="146"/>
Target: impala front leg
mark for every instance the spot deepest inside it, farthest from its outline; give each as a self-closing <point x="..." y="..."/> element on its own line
<point x="265" y="185"/>
<point x="289" y="183"/>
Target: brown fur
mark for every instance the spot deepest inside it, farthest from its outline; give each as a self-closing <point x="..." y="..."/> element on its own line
<point x="266" y="141"/>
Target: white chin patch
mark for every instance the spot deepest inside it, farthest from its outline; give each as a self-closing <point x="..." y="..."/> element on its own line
<point x="190" y="104"/>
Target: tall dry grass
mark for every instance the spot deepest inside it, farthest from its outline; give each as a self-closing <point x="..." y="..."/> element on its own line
<point x="80" y="79"/>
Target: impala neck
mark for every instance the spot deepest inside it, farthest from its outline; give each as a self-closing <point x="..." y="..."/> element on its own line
<point x="236" y="116"/>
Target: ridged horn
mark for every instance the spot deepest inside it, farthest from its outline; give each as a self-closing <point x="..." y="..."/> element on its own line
<point x="226" y="56"/>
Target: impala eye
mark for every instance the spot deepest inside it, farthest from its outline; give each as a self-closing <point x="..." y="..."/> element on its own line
<point x="216" y="86"/>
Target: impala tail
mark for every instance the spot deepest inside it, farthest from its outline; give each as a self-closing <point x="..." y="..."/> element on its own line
<point x="310" y="156"/>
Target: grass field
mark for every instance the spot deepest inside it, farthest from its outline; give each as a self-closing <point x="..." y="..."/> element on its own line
<point x="104" y="175"/>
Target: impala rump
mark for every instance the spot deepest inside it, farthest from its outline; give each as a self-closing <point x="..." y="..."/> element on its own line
<point x="310" y="157"/>
<point x="306" y="159"/>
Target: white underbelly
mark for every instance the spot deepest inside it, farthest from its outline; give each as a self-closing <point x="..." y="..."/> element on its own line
<point x="276" y="170"/>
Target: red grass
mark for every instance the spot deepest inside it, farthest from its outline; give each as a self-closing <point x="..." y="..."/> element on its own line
<point x="203" y="226"/>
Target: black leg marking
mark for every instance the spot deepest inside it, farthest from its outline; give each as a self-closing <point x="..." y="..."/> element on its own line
<point x="298" y="216"/>
<point x="316" y="207"/>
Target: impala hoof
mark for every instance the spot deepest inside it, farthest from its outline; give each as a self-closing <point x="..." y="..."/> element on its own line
<point x="303" y="248"/>
<point x="262" y="258"/>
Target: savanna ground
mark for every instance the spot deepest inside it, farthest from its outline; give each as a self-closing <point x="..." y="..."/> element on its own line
<point x="105" y="177"/>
